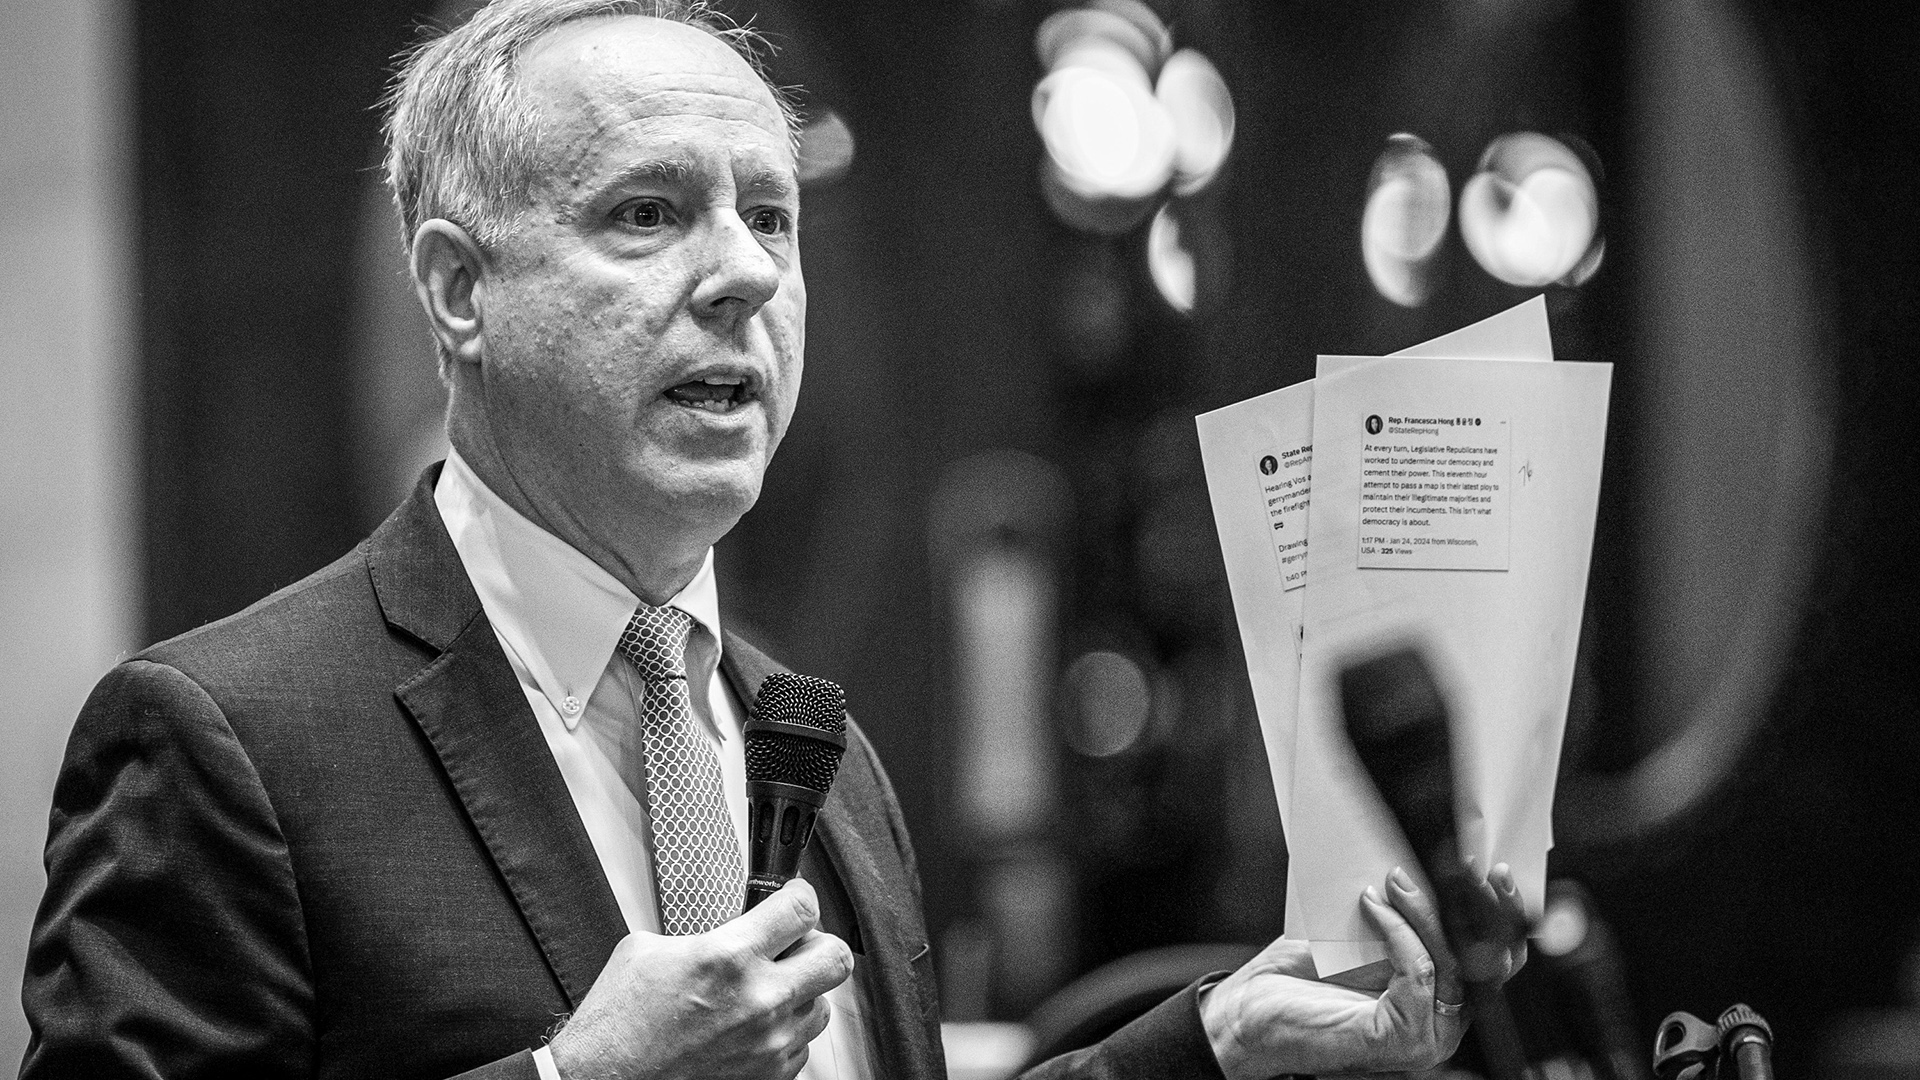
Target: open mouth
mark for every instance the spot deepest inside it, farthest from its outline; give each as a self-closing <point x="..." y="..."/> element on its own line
<point x="713" y="393"/>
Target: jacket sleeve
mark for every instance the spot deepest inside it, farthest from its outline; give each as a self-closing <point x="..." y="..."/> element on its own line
<point x="1166" y="1043"/>
<point x="171" y="940"/>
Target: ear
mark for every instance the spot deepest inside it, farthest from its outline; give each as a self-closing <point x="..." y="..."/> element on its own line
<point x="449" y="274"/>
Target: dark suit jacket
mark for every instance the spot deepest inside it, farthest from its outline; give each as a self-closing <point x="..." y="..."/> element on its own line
<point x="325" y="837"/>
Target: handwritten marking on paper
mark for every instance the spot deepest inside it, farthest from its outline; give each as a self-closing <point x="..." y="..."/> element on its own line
<point x="1434" y="492"/>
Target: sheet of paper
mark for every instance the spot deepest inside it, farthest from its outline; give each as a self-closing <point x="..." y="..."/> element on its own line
<point x="1518" y="333"/>
<point x="1258" y="456"/>
<point x="1486" y="575"/>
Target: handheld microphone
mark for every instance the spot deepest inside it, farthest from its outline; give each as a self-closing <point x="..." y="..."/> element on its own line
<point x="1397" y="722"/>
<point x="793" y="744"/>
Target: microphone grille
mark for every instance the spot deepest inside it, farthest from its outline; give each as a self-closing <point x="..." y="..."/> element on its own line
<point x="804" y="700"/>
<point x="795" y="759"/>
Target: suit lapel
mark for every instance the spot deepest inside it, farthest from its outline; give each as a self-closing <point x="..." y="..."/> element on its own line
<point x="470" y="707"/>
<point x="854" y="856"/>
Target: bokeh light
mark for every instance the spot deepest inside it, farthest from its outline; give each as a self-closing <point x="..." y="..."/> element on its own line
<point x="1408" y="205"/>
<point x="1107" y="700"/>
<point x="1127" y="23"/>
<point x="1106" y="134"/>
<point x="826" y="148"/>
<point x="1124" y="117"/>
<point x="1171" y="263"/>
<point x="1201" y="108"/>
<point x="1563" y="927"/>
<point x="1531" y="214"/>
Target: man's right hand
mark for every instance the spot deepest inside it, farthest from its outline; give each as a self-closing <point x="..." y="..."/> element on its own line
<point x="740" y="1002"/>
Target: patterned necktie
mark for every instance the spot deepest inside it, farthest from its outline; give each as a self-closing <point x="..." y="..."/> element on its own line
<point x="697" y="871"/>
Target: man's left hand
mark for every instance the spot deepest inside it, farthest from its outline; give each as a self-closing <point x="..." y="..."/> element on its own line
<point x="1273" y="1016"/>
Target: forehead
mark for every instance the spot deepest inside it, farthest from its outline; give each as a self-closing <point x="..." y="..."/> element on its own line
<point x="601" y="78"/>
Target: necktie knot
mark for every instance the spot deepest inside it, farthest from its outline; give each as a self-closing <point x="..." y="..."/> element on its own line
<point x="655" y="641"/>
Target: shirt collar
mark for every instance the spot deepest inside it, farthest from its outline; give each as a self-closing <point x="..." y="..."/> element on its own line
<point x="556" y="609"/>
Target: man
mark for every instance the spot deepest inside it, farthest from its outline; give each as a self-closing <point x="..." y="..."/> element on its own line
<point x="469" y="798"/>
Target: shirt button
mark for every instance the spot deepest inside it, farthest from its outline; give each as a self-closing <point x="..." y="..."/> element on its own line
<point x="570" y="705"/>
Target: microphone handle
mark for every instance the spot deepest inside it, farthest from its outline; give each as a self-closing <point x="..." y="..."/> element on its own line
<point x="759" y="889"/>
<point x="780" y="821"/>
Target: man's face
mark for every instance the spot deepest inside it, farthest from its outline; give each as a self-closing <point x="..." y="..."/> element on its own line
<point x="644" y="327"/>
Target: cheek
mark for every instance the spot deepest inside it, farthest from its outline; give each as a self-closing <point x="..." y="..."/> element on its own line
<point x="799" y="332"/>
<point x="576" y="335"/>
<point x="579" y="300"/>
<point x="788" y="333"/>
<point x="563" y="373"/>
<point x="785" y="317"/>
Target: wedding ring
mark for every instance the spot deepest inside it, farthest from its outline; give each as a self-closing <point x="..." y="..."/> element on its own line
<point x="1448" y="1008"/>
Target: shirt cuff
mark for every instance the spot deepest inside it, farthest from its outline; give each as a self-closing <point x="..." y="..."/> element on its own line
<point x="543" y="1061"/>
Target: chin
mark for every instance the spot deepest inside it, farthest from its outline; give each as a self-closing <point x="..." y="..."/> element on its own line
<point x="715" y="495"/>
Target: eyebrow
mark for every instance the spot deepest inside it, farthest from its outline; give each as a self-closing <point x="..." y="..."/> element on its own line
<point x="668" y="172"/>
<point x="657" y="170"/>
<point x="776" y="183"/>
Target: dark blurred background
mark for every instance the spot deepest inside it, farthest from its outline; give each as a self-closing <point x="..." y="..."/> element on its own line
<point x="995" y="442"/>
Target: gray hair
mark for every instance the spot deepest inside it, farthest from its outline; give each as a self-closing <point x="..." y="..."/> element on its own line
<point x="462" y="141"/>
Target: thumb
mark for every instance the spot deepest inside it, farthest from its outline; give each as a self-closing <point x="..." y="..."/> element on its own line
<point x="1411" y="988"/>
<point x="779" y="920"/>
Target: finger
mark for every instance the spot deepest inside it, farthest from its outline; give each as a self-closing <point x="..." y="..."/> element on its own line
<point x="799" y="1048"/>
<point x="1493" y="924"/>
<point x="1412" y="963"/>
<point x="1516" y="957"/>
<point x="817" y="964"/>
<point x="1418" y="907"/>
<point x="1515" y="909"/>
<point x="1424" y="1032"/>
<point x="1485" y="951"/>
<point x="1484" y="900"/>
<point x="796" y="1061"/>
<point x="815" y="1022"/>
<point x="806" y="1027"/>
<point x="1488" y="893"/>
<point x="779" y="920"/>
<point x="1506" y="892"/>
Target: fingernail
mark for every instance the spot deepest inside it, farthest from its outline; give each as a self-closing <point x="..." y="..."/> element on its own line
<point x="1401" y="879"/>
<point x="1372" y="894"/>
<point x="1505" y="875"/>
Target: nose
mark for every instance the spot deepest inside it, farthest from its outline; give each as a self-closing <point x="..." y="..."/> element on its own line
<point x="742" y="275"/>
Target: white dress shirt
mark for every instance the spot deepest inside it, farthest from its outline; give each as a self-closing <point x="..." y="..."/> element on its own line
<point x="558" y="616"/>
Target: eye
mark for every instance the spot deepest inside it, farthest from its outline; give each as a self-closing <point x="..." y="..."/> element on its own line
<point x="642" y="213"/>
<point x="769" y="220"/>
